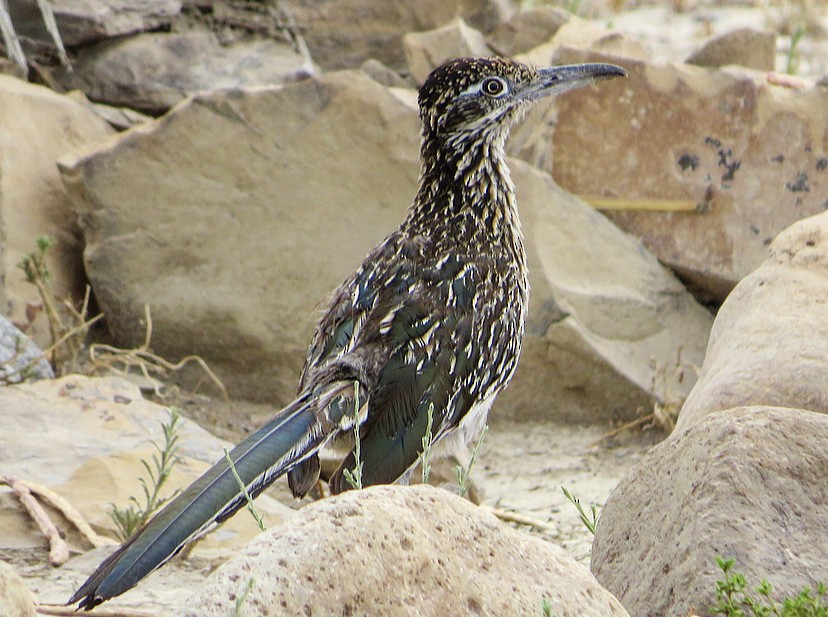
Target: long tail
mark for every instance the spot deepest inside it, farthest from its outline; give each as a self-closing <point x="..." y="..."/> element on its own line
<point x="294" y="434"/>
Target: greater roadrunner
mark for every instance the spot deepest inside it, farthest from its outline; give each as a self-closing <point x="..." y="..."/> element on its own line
<point x="433" y="318"/>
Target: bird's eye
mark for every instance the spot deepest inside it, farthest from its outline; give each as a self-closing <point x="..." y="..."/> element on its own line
<point x="493" y="86"/>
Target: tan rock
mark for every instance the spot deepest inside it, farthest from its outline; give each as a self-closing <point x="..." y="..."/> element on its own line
<point x="281" y="195"/>
<point x="527" y="29"/>
<point x="745" y="46"/>
<point x="748" y="483"/>
<point x="605" y="318"/>
<point x="425" y="51"/>
<point x="752" y="152"/>
<point x="346" y="33"/>
<point x="15" y="598"/>
<point x="401" y="551"/>
<point x="39" y="126"/>
<point x="768" y="342"/>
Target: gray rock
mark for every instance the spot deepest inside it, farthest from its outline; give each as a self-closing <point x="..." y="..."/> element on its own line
<point x="425" y="51"/>
<point x="527" y="30"/>
<point x="749" y="151"/>
<point x="20" y="358"/>
<point x="383" y="75"/>
<point x="15" y="598"/>
<point x="81" y="22"/>
<point x="769" y="339"/>
<point x="748" y="484"/>
<point x="342" y="34"/>
<point x="154" y="71"/>
<point x="39" y="126"/>
<point x="401" y="551"/>
<point x="302" y="182"/>
<point x="746" y="47"/>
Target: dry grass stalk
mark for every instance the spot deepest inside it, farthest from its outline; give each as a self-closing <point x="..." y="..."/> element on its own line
<point x="154" y="368"/>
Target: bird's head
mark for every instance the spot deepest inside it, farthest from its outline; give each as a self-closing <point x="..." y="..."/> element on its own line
<point x="469" y="97"/>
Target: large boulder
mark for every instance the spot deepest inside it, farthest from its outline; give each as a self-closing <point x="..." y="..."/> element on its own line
<point x="606" y="321"/>
<point x="749" y="152"/>
<point x="237" y="214"/>
<point x="400" y="551"/>
<point x="227" y="250"/>
<point x="768" y="343"/>
<point x="749" y="484"/>
<point x="38" y="126"/>
<point x="745" y="473"/>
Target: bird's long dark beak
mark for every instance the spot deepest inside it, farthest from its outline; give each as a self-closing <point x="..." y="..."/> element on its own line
<point x="557" y="79"/>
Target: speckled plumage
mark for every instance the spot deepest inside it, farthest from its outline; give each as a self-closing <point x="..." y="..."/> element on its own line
<point x="434" y="316"/>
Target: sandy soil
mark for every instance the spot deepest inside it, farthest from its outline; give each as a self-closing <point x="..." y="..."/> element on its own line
<point x="520" y="469"/>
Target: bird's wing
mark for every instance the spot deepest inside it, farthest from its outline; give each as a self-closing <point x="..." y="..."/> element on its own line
<point x="427" y="328"/>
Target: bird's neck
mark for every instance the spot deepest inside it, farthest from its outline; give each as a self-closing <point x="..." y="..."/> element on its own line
<point x="467" y="188"/>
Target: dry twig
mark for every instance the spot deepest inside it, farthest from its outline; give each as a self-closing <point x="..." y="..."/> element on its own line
<point x="58" y="549"/>
<point x="520" y="519"/>
<point x="107" y="357"/>
<point x="70" y="611"/>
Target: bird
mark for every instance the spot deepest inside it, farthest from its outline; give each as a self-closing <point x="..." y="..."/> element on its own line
<point x="427" y="330"/>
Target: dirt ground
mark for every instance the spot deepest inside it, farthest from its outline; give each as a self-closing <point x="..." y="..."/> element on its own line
<point x="521" y="467"/>
<point x="520" y="470"/>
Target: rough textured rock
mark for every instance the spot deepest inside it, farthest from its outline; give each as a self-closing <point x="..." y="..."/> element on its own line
<point x="236" y="299"/>
<point x="401" y="551"/>
<point x="296" y="214"/>
<point x="342" y="34"/>
<point x="86" y="21"/>
<point x="91" y="435"/>
<point x="604" y="317"/>
<point x="749" y="483"/>
<point x="15" y="598"/>
<point x="154" y="71"/>
<point x="752" y="152"/>
<point x="425" y="51"/>
<point x="746" y="47"/>
<point x="37" y="127"/>
<point x="769" y="341"/>
<point x="20" y="358"/>
<point x="527" y="29"/>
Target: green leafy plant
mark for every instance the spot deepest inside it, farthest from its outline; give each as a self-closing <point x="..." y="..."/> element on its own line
<point x="250" y="507"/>
<point x="546" y="607"/>
<point x="733" y="598"/>
<point x="463" y="474"/>
<point x="354" y="478"/>
<point x="589" y="521"/>
<point x="428" y="440"/>
<point x="127" y="520"/>
<point x="69" y="334"/>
